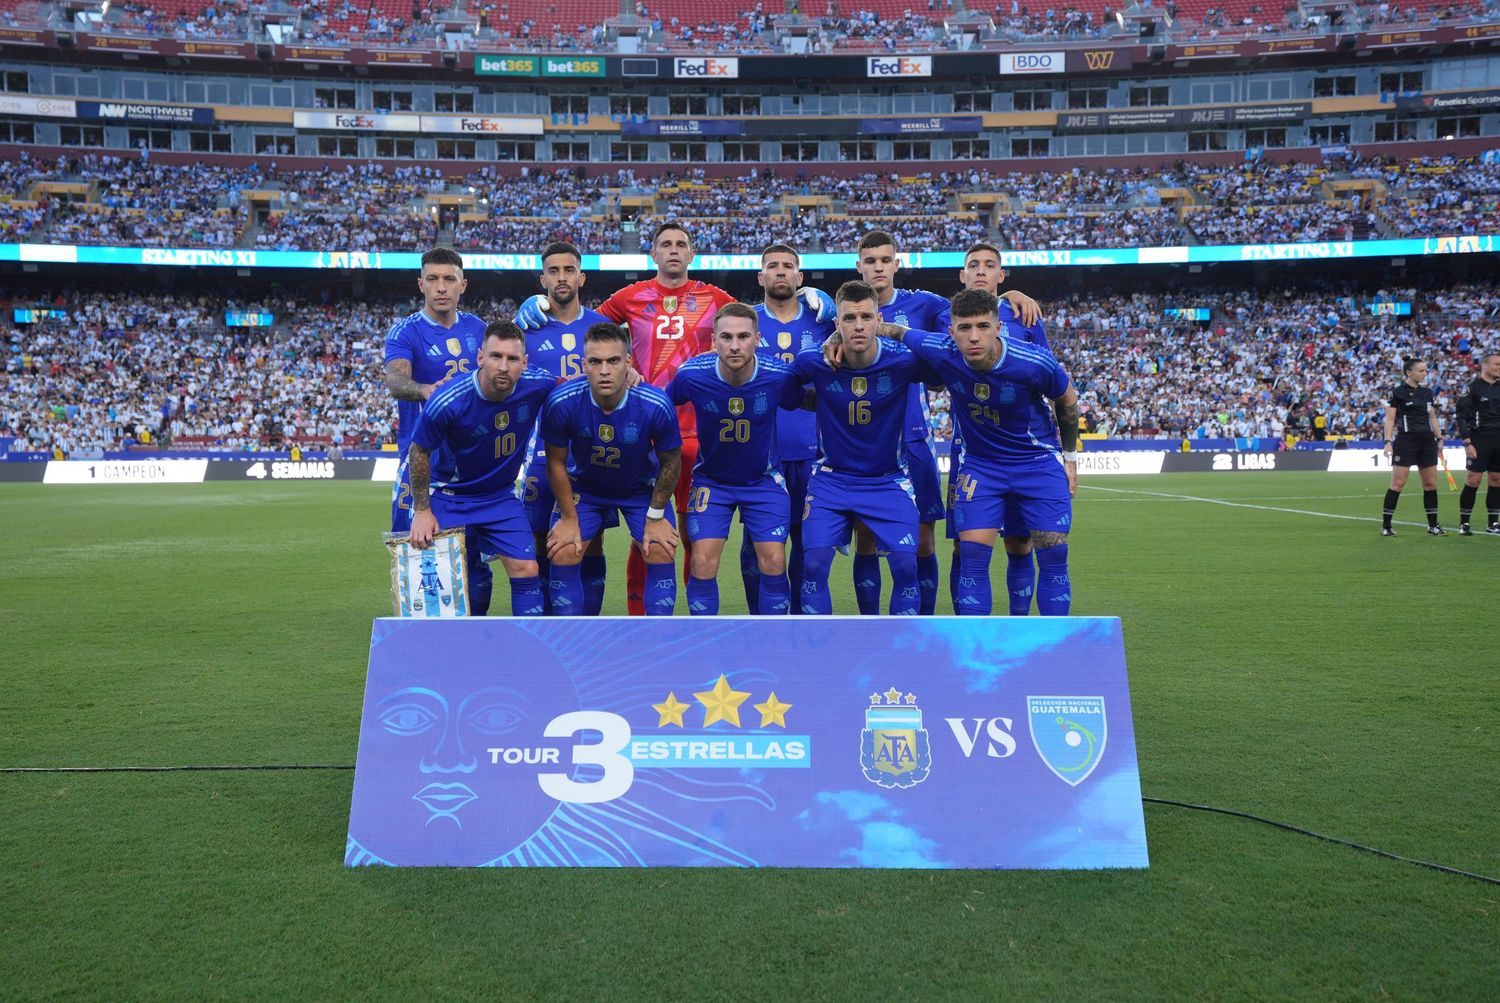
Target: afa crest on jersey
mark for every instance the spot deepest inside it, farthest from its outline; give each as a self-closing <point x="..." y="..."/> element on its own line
<point x="759" y="405"/>
<point x="894" y="750"/>
<point x="858" y="385"/>
<point x="455" y="347"/>
<point x="736" y="406"/>
<point x="883" y="385"/>
<point x="606" y="433"/>
<point x="630" y="434"/>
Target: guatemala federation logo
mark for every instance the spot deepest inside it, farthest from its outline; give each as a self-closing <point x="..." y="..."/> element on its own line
<point x="893" y="748"/>
<point x="606" y="433"/>
<point x="858" y="386"/>
<point x="736" y="405"/>
<point x="1069" y="734"/>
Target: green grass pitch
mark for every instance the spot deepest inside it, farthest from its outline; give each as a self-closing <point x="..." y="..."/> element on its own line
<point x="1282" y="662"/>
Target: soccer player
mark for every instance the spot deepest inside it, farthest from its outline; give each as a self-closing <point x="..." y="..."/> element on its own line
<point x="736" y="394"/>
<point x="611" y="448"/>
<point x="670" y="318"/>
<point x="1412" y="438"/>
<point x="861" y="411"/>
<point x="1012" y="474"/>
<point x="467" y="447"/>
<point x="557" y="347"/>
<point x="983" y="270"/>
<point x="878" y="263"/>
<point x="1479" y="427"/>
<point x="422" y="351"/>
<point x="788" y="324"/>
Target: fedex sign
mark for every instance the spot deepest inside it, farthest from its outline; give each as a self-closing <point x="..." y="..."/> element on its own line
<point x="898" y="66"/>
<point x="1032" y="62"/>
<point x="710" y="66"/>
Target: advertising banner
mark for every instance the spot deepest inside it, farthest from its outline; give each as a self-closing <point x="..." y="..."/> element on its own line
<point x="482" y="125"/>
<point x="701" y="67"/>
<point x="926" y="126"/>
<point x="125" y="471"/>
<point x="1032" y="62"/>
<point x="155" y="114"/>
<point x="683" y="127"/>
<point x="747" y="741"/>
<point x="506" y="66"/>
<point x="357" y="121"/>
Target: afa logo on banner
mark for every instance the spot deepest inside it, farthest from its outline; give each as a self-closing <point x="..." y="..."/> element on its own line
<point x="894" y="750"/>
<point x="1069" y="734"/>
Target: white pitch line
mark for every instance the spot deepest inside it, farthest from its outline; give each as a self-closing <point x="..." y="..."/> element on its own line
<point x="1264" y="508"/>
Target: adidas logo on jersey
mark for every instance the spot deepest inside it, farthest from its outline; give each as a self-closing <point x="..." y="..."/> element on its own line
<point x="434" y="350"/>
<point x="545" y="346"/>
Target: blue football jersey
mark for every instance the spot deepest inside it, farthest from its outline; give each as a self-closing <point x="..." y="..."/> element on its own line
<point x="862" y="412"/>
<point x="437" y="353"/>
<point x="796" y="431"/>
<point x="478" y="445"/>
<point x="1001" y="413"/>
<point x="611" y="455"/>
<point x="736" y="425"/>
<point x="558" y="347"/>
<point x="927" y="312"/>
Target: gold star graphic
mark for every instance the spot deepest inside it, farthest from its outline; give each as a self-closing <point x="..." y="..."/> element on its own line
<point x="874" y="698"/>
<point x="911" y="698"/>
<point x="722" y="703"/>
<point x="893" y="695"/>
<point x="773" y="711"/>
<point x="670" y="711"/>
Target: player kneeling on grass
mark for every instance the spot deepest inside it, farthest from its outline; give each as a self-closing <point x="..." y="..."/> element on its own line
<point x="467" y="447"/>
<point x="736" y="394"/>
<point x="611" y="448"/>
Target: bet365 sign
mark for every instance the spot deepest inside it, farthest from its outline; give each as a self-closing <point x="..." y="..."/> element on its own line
<point x="818" y="742"/>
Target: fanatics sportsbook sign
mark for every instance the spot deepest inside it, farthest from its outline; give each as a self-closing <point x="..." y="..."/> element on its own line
<point x="747" y="741"/>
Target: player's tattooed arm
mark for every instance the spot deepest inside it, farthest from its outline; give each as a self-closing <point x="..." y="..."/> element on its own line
<point x="423" y="520"/>
<point x="399" y="382"/>
<point x="669" y="463"/>
<point x="810" y="399"/>
<point x="1066" y="410"/>
<point x="419" y="469"/>
<point x="1044" y="539"/>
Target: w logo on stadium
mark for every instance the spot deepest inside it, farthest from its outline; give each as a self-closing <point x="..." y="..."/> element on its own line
<point x="1099" y="59"/>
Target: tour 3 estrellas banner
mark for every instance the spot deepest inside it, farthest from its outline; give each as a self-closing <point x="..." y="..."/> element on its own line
<point x="739" y="741"/>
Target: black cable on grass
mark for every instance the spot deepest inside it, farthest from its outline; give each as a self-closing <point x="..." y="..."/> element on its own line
<point x="1327" y="839"/>
<point x="1163" y="801"/>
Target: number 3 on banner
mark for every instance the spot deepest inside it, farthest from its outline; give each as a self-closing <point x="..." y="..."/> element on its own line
<point x="619" y="772"/>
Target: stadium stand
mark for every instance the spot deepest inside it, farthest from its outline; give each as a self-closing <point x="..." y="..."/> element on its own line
<point x="123" y="367"/>
<point x="365" y="206"/>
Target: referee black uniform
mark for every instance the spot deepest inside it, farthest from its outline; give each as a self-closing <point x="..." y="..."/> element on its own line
<point x="1479" y="426"/>
<point x="1414" y="445"/>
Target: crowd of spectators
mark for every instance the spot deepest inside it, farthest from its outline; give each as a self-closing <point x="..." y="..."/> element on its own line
<point x="1075" y="230"/>
<point x="122" y="366"/>
<point x="319" y="230"/>
<point x="370" y="206"/>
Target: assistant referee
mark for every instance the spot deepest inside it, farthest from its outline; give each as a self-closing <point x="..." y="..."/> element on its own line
<point x="1479" y="425"/>
<point x="1412" y="438"/>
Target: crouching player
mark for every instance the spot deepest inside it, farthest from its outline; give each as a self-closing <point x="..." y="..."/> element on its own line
<point x="736" y="393"/>
<point x="611" y="448"/>
<point x="467" y="447"/>
<point x="1010" y="459"/>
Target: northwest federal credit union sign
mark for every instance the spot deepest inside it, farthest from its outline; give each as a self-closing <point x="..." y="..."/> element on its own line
<point x="740" y="741"/>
